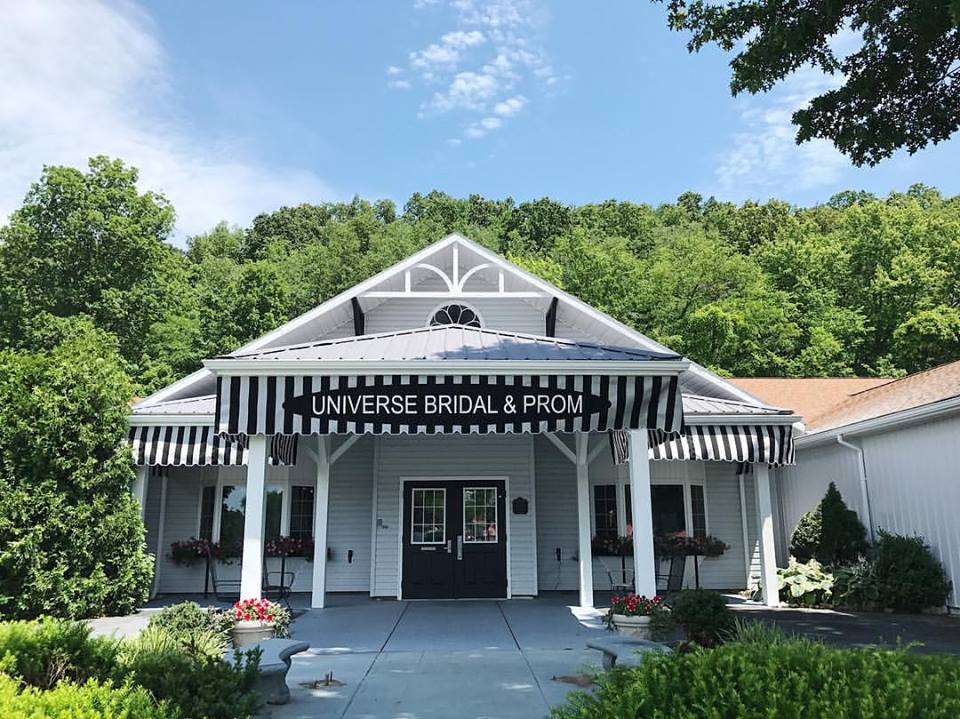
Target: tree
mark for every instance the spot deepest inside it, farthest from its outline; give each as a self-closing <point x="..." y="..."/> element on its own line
<point x="71" y="538"/>
<point x="900" y="86"/>
<point x="88" y="243"/>
<point x="831" y="532"/>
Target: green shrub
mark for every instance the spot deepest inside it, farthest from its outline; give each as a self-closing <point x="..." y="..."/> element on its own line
<point x="856" y="587"/>
<point x="70" y="701"/>
<point x="806" y="536"/>
<point x="702" y="615"/>
<point x="72" y="543"/>
<point x="761" y="633"/>
<point x="45" y="652"/>
<point x="831" y="533"/>
<point x="776" y="679"/>
<point x="200" y="686"/>
<point x="198" y="630"/>
<point x="805" y="585"/>
<point x="908" y="576"/>
<point x="843" y="538"/>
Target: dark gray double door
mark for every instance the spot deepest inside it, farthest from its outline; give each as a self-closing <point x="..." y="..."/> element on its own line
<point x="454" y="539"/>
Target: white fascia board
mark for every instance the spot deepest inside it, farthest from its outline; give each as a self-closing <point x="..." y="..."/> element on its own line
<point x="235" y="367"/>
<point x="740" y="419"/>
<point x="886" y="422"/>
<point x="187" y="420"/>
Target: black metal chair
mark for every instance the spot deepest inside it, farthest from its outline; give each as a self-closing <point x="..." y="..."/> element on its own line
<point x="278" y="589"/>
<point x="673" y="578"/>
<point x="225" y="590"/>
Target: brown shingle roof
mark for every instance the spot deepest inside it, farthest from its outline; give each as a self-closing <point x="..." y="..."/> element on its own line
<point x="808" y="397"/>
<point x="916" y="390"/>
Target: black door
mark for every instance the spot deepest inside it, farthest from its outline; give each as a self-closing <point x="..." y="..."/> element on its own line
<point x="454" y="540"/>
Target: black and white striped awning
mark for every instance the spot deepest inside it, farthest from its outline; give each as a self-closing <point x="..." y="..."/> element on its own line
<point x="762" y="443"/>
<point x="438" y="404"/>
<point x="197" y="446"/>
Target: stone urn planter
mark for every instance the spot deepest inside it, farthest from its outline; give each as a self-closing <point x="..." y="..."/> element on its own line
<point x="636" y="627"/>
<point x="251" y="632"/>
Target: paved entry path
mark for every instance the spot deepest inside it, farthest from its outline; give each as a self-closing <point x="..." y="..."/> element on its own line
<point x="425" y="659"/>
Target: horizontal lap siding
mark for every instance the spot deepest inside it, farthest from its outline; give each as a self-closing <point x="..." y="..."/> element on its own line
<point x="180" y="523"/>
<point x="351" y="500"/>
<point x="556" y="487"/>
<point x="727" y="571"/>
<point x="452" y="456"/>
<point x="496" y="314"/>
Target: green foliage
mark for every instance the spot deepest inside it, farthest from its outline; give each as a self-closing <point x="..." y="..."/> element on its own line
<point x="71" y="538"/>
<point x="806" y="585"/>
<point x="775" y="679"/>
<point x="831" y="532"/>
<point x="762" y="634"/>
<point x="899" y="83"/>
<point x="805" y="539"/>
<point x="843" y="538"/>
<point x="198" y="684"/>
<point x="856" y="586"/>
<point x="90" y="701"/>
<point x="702" y="615"/>
<point x="908" y="576"/>
<point x="44" y="653"/>
<point x="198" y="630"/>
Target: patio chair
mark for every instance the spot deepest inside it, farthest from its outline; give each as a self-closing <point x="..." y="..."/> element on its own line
<point x="225" y="590"/>
<point x="621" y="579"/>
<point x="278" y="583"/>
<point x="674" y="575"/>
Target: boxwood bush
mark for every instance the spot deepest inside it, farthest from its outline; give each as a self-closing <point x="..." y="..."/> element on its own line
<point x="776" y="679"/>
<point x="89" y="701"/>
<point x="703" y="615"/>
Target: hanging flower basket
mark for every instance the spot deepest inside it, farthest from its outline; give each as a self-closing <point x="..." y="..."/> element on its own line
<point x="289" y="547"/>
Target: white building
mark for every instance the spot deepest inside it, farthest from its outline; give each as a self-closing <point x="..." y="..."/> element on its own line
<point x="446" y="429"/>
<point x="892" y="447"/>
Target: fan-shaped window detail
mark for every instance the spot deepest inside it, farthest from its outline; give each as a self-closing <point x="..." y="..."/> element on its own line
<point x="455" y="314"/>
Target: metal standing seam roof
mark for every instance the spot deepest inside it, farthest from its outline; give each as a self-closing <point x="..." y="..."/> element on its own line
<point x="454" y="342"/>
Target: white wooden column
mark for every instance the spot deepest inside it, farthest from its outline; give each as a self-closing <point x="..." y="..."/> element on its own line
<point x="251" y="570"/>
<point x="644" y="567"/>
<point x="584" y="552"/>
<point x="140" y="485"/>
<point x="161" y="523"/>
<point x="768" y="556"/>
<point x="321" y="499"/>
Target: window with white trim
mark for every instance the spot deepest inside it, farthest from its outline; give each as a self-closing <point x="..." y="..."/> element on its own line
<point x="479" y="515"/>
<point x="428" y="517"/>
<point x="454" y="314"/>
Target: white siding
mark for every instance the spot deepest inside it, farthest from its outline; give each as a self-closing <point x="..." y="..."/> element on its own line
<point x="724" y="522"/>
<point x="913" y="476"/>
<point x="400" y="457"/>
<point x="496" y="313"/>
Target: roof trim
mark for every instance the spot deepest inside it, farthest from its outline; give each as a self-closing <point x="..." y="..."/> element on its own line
<point x="233" y="367"/>
<point x="186" y="420"/>
<point x="894" y="420"/>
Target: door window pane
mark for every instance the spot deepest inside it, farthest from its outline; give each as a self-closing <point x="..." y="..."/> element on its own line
<point x="605" y="511"/>
<point x="274" y="511"/>
<point x="428" y="520"/>
<point x="479" y="514"/>
<point x="301" y="512"/>
<point x="208" y="498"/>
<point x="668" y="514"/>
<point x="698" y="510"/>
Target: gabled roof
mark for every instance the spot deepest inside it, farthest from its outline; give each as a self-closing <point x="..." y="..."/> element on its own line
<point x="808" y="397"/>
<point x="694" y="405"/>
<point x="453" y="342"/>
<point x="916" y="390"/>
<point x="571" y="311"/>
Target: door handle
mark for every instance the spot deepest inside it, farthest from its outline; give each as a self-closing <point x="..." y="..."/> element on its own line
<point x="449" y="546"/>
<point x="459" y="547"/>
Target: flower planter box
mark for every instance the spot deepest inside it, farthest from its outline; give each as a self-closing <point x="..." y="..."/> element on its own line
<point x="636" y="627"/>
<point x="251" y="632"/>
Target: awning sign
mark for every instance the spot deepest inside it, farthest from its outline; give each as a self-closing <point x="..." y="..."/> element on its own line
<point x="410" y="404"/>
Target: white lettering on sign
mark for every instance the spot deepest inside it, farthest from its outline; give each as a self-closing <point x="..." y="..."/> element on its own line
<point x="446" y="404"/>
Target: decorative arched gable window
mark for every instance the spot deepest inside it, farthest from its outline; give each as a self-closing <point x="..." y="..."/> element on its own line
<point x="454" y="314"/>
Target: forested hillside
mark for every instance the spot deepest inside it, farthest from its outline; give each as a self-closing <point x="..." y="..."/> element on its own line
<point x="857" y="285"/>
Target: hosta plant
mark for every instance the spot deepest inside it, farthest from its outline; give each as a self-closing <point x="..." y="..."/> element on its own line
<point x="806" y="585"/>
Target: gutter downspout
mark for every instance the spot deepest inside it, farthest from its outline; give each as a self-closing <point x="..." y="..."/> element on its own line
<point x="862" y="469"/>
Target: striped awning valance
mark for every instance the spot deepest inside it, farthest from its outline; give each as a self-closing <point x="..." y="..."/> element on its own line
<point x="196" y="446"/>
<point x="770" y="444"/>
<point x="436" y="404"/>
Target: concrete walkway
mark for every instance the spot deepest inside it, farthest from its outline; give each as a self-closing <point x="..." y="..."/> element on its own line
<point x="439" y="659"/>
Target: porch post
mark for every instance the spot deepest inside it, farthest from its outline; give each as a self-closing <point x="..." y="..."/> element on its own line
<point x="321" y="500"/>
<point x="644" y="567"/>
<point x="768" y="557"/>
<point x="140" y="488"/>
<point x="251" y="570"/>
<point x="582" y="440"/>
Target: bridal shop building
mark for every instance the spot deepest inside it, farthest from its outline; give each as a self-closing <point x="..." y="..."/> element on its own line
<point x="455" y="427"/>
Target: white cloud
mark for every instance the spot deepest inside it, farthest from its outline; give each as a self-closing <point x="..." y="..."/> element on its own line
<point x="399" y="84"/>
<point x="488" y="63"/>
<point x="510" y="106"/>
<point x="394" y="70"/>
<point x="763" y="157"/>
<point x="88" y="78"/>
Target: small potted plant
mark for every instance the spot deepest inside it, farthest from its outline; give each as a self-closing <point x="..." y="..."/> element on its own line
<point x="258" y="619"/>
<point x="631" y="614"/>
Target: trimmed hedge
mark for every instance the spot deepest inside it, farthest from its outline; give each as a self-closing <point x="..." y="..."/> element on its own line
<point x="90" y="701"/>
<point x="769" y="679"/>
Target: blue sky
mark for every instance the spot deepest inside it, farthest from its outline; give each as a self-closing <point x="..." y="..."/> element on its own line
<point x="233" y="108"/>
